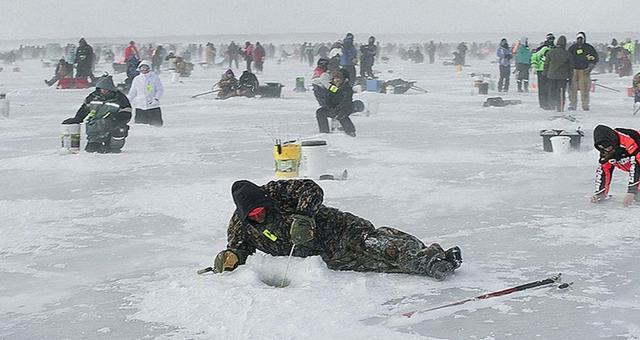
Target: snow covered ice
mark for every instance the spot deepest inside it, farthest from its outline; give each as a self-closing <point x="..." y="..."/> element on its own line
<point x="107" y="246"/>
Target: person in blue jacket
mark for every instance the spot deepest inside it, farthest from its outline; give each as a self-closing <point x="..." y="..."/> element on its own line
<point x="349" y="57"/>
<point x="504" y="54"/>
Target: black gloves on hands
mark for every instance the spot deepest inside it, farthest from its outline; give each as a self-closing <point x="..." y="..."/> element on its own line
<point x="302" y="229"/>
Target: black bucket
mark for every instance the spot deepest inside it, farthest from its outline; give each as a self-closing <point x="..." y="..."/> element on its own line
<point x="575" y="135"/>
<point x="271" y="90"/>
<point x="483" y="88"/>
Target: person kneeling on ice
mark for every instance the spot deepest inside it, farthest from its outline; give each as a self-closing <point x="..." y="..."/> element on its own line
<point x="107" y="111"/>
<point x="618" y="149"/>
<point x="338" y="104"/>
<point x="228" y="85"/>
<point x="146" y="91"/>
<point x="288" y="215"/>
<point x="247" y="84"/>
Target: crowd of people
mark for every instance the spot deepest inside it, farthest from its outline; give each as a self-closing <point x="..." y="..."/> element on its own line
<point x="559" y="67"/>
<point x="282" y="215"/>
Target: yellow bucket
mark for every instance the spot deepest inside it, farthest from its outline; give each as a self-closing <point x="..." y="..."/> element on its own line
<point x="287" y="160"/>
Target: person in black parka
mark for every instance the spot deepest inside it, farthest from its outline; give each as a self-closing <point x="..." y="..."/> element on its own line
<point x="338" y="104"/>
<point x="107" y="112"/>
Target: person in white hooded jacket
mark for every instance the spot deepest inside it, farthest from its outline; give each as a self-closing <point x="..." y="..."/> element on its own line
<point x="145" y="93"/>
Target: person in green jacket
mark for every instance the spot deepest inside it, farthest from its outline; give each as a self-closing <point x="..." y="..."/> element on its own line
<point x="523" y="64"/>
<point x="537" y="61"/>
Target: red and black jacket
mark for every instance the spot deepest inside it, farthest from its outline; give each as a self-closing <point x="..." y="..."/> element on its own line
<point x="626" y="159"/>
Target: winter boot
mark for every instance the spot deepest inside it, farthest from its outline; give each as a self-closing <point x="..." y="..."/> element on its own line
<point x="440" y="269"/>
<point x="454" y="255"/>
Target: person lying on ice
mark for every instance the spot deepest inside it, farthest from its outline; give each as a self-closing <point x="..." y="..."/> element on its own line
<point x="107" y="111"/>
<point x="280" y="214"/>
<point x="618" y="149"/>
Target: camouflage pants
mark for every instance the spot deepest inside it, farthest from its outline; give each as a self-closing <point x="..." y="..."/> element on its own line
<point x="385" y="250"/>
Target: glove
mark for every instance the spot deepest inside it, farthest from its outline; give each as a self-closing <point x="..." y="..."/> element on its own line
<point x="122" y="116"/>
<point x="226" y="260"/>
<point x="72" y="120"/>
<point x="302" y="229"/>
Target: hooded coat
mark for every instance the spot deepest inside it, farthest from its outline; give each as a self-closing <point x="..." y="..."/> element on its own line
<point x="559" y="63"/>
<point x="523" y="53"/>
<point x="146" y="89"/>
<point x="84" y="59"/>
<point x="106" y="115"/>
<point x="349" y="52"/>
<point x="584" y="55"/>
<point x="504" y="53"/>
<point x="343" y="240"/>
<point x="624" y="157"/>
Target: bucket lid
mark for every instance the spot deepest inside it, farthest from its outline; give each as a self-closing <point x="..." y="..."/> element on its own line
<point x="314" y="143"/>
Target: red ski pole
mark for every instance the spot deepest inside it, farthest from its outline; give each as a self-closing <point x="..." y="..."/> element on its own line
<point x="534" y="284"/>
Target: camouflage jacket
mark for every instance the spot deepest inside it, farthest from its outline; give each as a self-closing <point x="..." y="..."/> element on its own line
<point x="334" y="228"/>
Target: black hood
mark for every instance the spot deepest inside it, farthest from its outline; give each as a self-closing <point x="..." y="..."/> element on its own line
<point x="604" y="136"/>
<point x="561" y="42"/>
<point x="248" y="196"/>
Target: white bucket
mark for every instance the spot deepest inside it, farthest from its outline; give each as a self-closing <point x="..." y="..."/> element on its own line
<point x="70" y="137"/>
<point x="560" y="144"/>
<point x="313" y="161"/>
<point x="371" y="102"/>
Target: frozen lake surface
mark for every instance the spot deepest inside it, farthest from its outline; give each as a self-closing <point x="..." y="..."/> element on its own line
<point x="107" y="246"/>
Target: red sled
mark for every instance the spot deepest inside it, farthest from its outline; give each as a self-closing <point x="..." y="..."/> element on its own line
<point x="73" y="83"/>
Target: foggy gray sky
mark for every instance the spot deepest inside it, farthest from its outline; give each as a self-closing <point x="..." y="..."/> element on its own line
<point x="22" y="19"/>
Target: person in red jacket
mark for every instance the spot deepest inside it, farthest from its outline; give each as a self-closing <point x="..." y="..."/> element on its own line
<point x="618" y="149"/>
<point x="131" y="50"/>
<point x="258" y="57"/>
<point x="247" y="52"/>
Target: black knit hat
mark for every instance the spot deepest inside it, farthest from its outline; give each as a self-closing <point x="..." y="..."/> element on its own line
<point x="604" y="137"/>
<point x="248" y="196"/>
<point x="323" y="62"/>
<point x="342" y="73"/>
